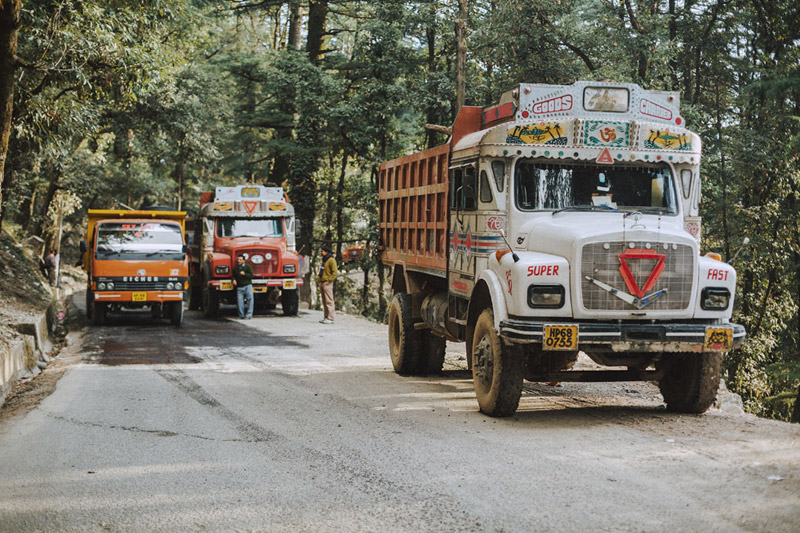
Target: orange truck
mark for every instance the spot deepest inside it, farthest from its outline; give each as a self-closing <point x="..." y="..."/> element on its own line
<point x="135" y="260"/>
<point x="250" y="221"/>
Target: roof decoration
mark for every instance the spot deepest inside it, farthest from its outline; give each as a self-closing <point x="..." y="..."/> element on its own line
<point x="609" y="101"/>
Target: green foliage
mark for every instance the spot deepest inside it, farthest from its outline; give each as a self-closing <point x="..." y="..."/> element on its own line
<point x="156" y="101"/>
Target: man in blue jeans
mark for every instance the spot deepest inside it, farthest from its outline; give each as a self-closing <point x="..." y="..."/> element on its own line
<point x="243" y="281"/>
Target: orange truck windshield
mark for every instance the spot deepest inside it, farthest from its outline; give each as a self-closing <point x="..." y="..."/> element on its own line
<point x="139" y="241"/>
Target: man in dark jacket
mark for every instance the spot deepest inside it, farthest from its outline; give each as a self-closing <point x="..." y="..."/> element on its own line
<point x="243" y="281"/>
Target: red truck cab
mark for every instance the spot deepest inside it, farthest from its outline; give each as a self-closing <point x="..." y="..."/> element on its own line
<point x="255" y="222"/>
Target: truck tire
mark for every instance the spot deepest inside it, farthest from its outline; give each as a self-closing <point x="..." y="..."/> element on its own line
<point x="89" y="304"/>
<point x="497" y="370"/>
<point x="210" y="301"/>
<point x="176" y="314"/>
<point x="430" y="357"/>
<point x="99" y="313"/>
<point x="404" y="340"/>
<point x="691" y="381"/>
<point x="195" y="298"/>
<point x="290" y="301"/>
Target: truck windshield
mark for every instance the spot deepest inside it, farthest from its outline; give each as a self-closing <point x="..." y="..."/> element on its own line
<point x="140" y="241"/>
<point x="249" y="227"/>
<point x="556" y="186"/>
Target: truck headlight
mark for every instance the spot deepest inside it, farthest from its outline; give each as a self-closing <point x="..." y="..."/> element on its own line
<point x="257" y="259"/>
<point x="221" y="269"/>
<point x="110" y="285"/>
<point x="101" y="286"/>
<point x="289" y="269"/>
<point x="712" y="299"/>
<point x="170" y="285"/>
<point x="546" y="296"/>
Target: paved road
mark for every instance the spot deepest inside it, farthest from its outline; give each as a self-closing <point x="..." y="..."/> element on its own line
<point x="284" y="424"/>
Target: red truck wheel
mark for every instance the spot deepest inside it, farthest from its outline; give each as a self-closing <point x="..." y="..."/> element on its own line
<point x="210" y="301"/>
<point x="290" y="302"/>
<point x="497" y="370"/>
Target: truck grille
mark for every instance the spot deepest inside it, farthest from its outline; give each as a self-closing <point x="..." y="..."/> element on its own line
<point x="269" y="267"/>
<point x="603" y="265"/>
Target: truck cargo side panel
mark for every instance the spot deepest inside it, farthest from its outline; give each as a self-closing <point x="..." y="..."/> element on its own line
<point x="413" y="194"/>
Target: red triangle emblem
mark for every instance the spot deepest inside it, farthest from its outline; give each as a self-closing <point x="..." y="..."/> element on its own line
<point x="250" y="206"/>
<point x="605" y="157"/>
<point x="627" y="276"/>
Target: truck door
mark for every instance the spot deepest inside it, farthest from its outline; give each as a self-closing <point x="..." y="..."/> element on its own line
<point x="463" y="219"/>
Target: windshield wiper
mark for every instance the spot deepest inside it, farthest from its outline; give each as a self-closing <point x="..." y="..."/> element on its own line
<point x="585" y="208"/>
<point x="163" y="251"/>
<point x="654" y="211"/>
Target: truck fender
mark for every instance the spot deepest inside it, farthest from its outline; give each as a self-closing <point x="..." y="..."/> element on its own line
<point x="497" y="296"/>
<point x="405" y="281"/>
<point x="211" y="259"/>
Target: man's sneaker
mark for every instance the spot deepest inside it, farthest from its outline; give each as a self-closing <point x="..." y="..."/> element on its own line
<point x="326" y="321"/>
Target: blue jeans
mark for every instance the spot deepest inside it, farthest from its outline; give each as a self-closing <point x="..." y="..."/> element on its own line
<point x="244" y="296"/>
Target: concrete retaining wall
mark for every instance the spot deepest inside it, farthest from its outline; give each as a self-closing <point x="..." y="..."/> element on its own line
<point x="29" y="355"/>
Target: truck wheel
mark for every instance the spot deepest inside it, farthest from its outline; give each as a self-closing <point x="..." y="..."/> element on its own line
<point x="176" y="314"/>
<point x="210" y="301"/>
<point x="431" y="353"/>
<point x="691" y="381"/>
<point x="195" y="298"/>
<point x="290" y="301"/>
<point x="99" y="314"/>
<point x="404" y="340"/>
<point x="89" y="304"/>
<point x="496" y="369"/>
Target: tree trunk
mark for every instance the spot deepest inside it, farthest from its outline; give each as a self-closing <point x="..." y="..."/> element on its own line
<point x="52" y="189"/>
<point x="365" y="288"/>
<point x="796" y="411"/>
<point x="317" y="15"/>
<point x="339" y="206"/>
<point x="9" y="24"/>
<point x="461" y="55"/>
<point x="179" y="172"/>
<point x="295" y="26"/>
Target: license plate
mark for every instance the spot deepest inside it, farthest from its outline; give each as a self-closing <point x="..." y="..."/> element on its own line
<point x="289" y="284"/>
<point x="225" y="285"/>
<point x="259" y="288"/>
<point x="718" y="339"/>
<point x="560" y="338"/>
<point x="139" y="297"/>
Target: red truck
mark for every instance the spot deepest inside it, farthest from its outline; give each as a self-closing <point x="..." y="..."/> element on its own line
<point x="564" y="218"/>
<point x="253" y="221"/>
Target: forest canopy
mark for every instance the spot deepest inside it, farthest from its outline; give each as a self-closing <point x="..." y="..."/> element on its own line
<point x="154" y="101"/>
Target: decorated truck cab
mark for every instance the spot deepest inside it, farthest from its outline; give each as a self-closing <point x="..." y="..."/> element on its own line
<point x="562" y="219"/>
<point x="252" y="221"/>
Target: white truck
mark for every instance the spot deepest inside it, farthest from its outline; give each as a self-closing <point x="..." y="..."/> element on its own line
<point x="563" y="218"/>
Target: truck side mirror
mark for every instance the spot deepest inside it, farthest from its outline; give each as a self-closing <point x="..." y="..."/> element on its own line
<point x="186" y="249"/>
<point x="84" y="246"/>
<point x="297" y="228"/>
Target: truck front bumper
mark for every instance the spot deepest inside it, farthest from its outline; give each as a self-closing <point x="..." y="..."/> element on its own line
<point x="137" y="297"/>
<point x="259" y="284"/>
<point x="623" y="337"/>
